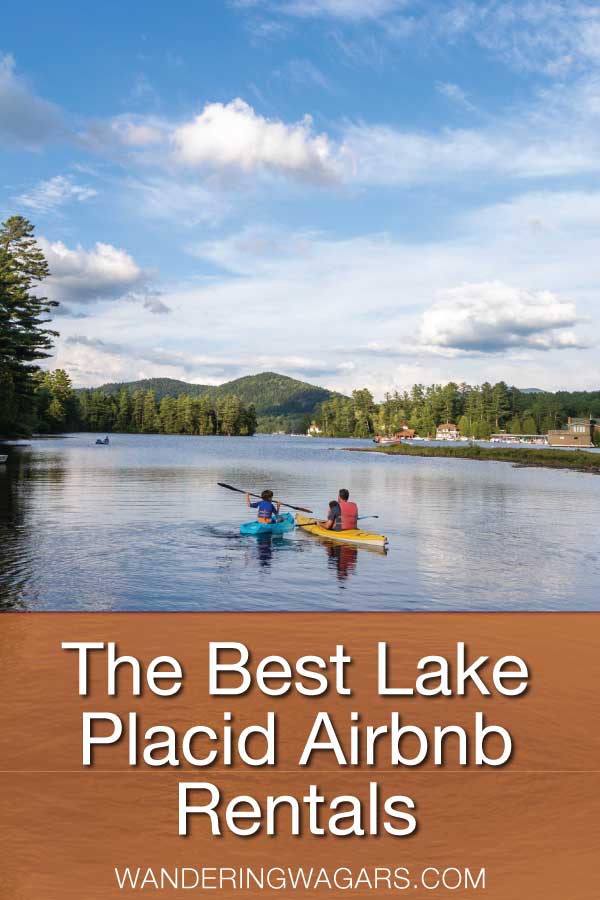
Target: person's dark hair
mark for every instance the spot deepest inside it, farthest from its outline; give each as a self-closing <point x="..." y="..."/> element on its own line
<point x="267" y="495"/>
<point x="344" y="494"/>
<point x="332" y="503"/>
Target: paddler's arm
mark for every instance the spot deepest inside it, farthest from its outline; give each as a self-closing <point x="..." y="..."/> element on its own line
<point x="248" y="500"/>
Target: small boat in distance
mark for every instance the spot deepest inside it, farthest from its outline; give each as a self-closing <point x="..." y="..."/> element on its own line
<point x="386" y="441"/>
<point x="405" y="434"/>
<point x="103" y="443"/>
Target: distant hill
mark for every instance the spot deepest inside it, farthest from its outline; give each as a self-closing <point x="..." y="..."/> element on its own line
<point x="532" y="391"/>
<point x="162" y="387"/>
<point x="281" y="403"/>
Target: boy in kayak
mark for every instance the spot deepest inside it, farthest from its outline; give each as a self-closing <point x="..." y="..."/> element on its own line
<point x="267" y="510"/>
<point x="343" y="515"/>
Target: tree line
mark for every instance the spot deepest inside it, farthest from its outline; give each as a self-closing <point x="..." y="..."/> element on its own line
<point x="60" y="408"/>
<point x="477" y="411"/>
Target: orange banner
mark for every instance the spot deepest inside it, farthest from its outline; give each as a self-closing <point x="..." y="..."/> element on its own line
<point x="318" y="782"/>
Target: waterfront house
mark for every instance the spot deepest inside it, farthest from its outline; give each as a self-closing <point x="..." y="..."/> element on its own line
<point x="405" y="434"/>
<point x="406" y="431"/>
<point x="447" y="432"/>
<point x="314" y="430"/>
<point x="578" y="433"/>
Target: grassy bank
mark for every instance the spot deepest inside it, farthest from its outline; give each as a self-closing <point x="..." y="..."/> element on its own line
<point x="575" y="460"/>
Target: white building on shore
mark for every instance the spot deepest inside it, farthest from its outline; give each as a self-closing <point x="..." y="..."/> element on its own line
<point x="447" y="432"/>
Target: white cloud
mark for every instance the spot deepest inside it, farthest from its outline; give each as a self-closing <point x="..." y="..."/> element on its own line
<point x="49" y="195"/>
<point x="82" y="276"/>
<point x="138" y="131"/>
<point x="303" y="72"/>
<point x="175" y="199"/>
<point x="546" y="215"/>
<point x="347" y="313"/>
<point x="256" y="250"/>
<point x="233" y="135"/>
<point x="387" y="156"/>
<point x="549" y="36"/>
<point x="555" y="136"/>
<point x="492" y="317"/>
<point x="455" y="94"/>
<point x="95" y="360"/>
<point x="350" y="10"/>
<point x="362" y="300"/>
<point x="133" y="137"/>
<point x="25" y="120"/>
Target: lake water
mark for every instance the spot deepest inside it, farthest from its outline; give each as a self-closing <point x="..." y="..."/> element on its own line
<point x="142" y="524"/>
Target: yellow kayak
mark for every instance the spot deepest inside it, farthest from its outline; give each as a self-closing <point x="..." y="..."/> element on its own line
<point x="351" y="536"/>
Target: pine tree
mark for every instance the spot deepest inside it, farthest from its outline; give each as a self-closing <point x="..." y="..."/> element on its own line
<point x="465" y="426"/>
<point x="364" y="409"/>
<point x="137" y="412"/>
<point x="150" y="413"/>
<point x="24" y="335"/>
<point x="18" y="241"/>
<point x="168" y="415"/>
<point x="450" y="401"/>
<point x="123" y="421"/>
<point x="206" y="416"/>
<point x="185" y="415"/>
<point x="248" y="423"/>
<point x="229" y="415"/>
<point x="57" y="417"/>
<point x="501" y="403"/>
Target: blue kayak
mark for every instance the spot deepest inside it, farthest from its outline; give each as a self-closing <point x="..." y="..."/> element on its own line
<point x="279" y="527"/>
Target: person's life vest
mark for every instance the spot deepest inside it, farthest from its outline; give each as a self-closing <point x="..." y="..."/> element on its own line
<point x="265" y="516"/>
<point x="349" y="517"/>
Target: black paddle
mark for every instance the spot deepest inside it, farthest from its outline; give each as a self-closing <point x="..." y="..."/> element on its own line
<point x="240" y="491"/>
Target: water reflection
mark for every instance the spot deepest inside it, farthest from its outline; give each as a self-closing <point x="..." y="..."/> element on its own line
<point x="16" y="544"/>
<point x="142" y="524"/>
<point x="267" y="545"/>
<point x="342" y="559"/>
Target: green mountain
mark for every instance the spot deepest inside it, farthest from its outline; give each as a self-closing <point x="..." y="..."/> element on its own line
<point x="281" y="403"/>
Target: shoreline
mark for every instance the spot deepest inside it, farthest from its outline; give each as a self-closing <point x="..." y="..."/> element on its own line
<point x="520" y="458"/>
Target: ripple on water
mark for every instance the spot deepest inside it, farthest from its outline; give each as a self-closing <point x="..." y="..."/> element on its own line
<point x="143" y="525"/>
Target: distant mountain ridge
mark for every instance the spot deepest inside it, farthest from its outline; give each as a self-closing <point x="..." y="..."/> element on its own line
<point x="282" y="400"/>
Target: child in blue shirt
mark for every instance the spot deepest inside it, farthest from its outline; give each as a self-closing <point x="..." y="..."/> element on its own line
<point x="267" y="510"/>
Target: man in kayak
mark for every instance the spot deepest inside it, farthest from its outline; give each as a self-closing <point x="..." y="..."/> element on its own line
<point x="342" y="515"/>
<point x="267" y="510"/>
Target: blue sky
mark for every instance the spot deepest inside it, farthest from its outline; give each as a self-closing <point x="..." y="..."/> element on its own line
<point x="355" y="192"/>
